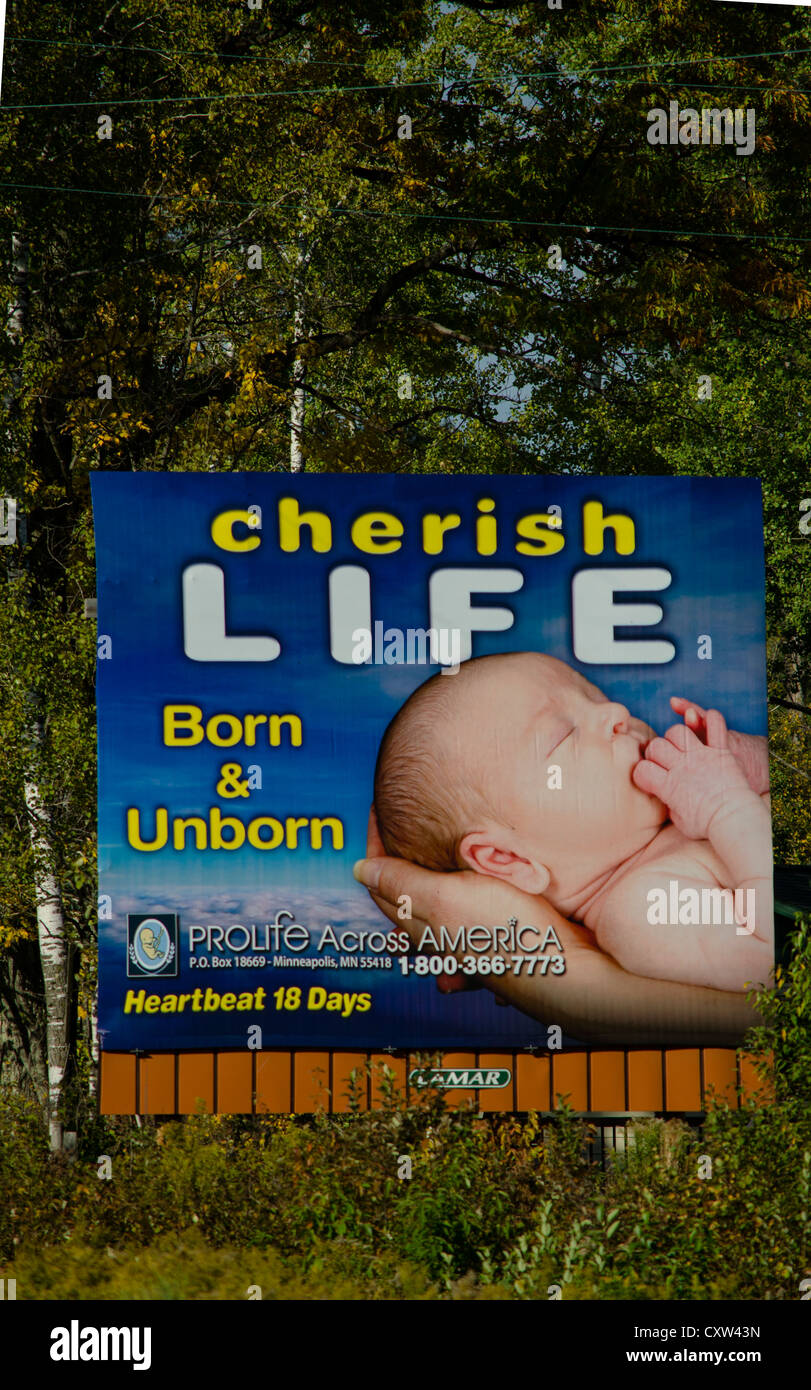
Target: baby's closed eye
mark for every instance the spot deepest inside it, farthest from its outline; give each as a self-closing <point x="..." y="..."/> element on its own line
<point x="561" y="739"/>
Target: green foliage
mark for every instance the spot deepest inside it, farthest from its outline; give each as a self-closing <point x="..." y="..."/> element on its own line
<point x="496" y="1207"/>
<point x="657" y="1229"/>
<point x="195" y="1211"/>
<point x="782" y="1045"/>
<point x="35" y="1194"/>
<point x="185" y="1267"/>
<point x="381" y="256"/>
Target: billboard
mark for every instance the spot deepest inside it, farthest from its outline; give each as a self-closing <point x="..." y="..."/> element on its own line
<point x="542" y="699"/>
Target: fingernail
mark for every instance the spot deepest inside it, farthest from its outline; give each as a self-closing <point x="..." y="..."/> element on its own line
<point x="367" y="872"/>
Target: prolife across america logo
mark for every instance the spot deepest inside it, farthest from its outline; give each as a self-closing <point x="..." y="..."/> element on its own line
<point x="152" y="943"/>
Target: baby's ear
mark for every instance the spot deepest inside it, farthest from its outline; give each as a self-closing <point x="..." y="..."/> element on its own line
<point x="480" y="853"/>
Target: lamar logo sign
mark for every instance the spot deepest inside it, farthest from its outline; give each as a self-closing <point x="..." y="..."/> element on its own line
<point x="445" y="1078"/>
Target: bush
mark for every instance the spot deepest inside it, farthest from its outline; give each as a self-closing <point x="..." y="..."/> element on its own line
<point x="495" y="1207"/>
<point x="186" y="1267"/>
<point x="782" y="1045"/>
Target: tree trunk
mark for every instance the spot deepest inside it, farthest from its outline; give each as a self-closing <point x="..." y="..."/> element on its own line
<point x="23" y="1066"/>
<point x="53" y="945"/>
<point x="94" y="1045"/>
<point x="299" y="367"/>
<point x="54" y="951"/>
<point x="795" y="692"/>
<point x="18" y="309"/>
<point x="297" y="418"/>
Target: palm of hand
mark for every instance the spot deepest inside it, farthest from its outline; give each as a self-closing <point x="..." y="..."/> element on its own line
<point x="466" y="898"/>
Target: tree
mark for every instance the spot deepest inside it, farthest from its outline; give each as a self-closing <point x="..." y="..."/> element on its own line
<point x="330" y="239"/>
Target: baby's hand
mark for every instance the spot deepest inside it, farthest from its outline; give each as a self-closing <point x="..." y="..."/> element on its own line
<point x="751" y="752"/>
<point x="696" y="781"/>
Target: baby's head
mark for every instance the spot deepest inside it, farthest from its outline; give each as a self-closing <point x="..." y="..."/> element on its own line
<point x="517" y="767"/>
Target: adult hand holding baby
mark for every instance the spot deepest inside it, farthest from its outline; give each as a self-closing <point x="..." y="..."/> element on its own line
<point x="595" y="1000"/>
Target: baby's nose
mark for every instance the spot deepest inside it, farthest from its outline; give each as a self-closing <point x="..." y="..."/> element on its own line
<point x="618" y="719"/>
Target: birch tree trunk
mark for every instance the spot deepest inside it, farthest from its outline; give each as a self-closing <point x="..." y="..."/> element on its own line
<point x="299" y="367"/>
<point x="94" y="1045"/>
<point x="53" y="946"/>
<point x="297" y="417"/>
<point x="54" y="951"/>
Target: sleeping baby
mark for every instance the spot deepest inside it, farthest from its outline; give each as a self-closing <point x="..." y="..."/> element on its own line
<point x="521" y="769"/>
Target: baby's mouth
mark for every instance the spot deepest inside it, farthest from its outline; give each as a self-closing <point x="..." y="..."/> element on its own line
<point x="639" y="756"/>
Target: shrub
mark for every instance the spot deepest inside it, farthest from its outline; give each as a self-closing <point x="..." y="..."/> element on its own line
<point x="496" y="1207"/>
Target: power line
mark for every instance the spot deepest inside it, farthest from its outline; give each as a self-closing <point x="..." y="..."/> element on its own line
<point x="331" y="62"/>
<point x="336" y="90"/>
<point x="212" y="96"/>
<point x="463" y="217"/>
